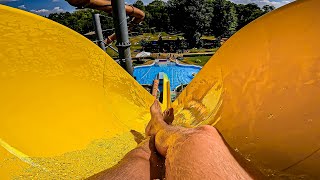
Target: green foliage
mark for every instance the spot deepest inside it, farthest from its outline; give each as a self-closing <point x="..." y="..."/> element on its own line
<point x="81" y="20"/>
<point x="267" y="8"/>
<point x="189" y="17"/>
<point x="143" y="27"/>
<point x="158" y="15"/>
<point x="143" y="42"/>
<point x="223" y="17"/>
<point x="192" y="18"/>
<point x="199" y="60"/>
<point x="140" y="5"/>
<point x="249" y="12"/>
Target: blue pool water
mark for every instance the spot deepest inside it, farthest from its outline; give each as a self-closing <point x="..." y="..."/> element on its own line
<point x="177" y="73"/>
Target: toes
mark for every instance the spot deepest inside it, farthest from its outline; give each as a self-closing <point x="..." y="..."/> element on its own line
<point x="171" y="111"/>
<point x="158" y="104"/>
<point x="153" y="105"/>
<point x="166" y="113"/>
<point x="147" y="131"/>
<point x="169" y="116"/>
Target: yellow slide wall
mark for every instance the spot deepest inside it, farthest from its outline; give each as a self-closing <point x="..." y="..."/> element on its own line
<point x="262" y="91"/>
<point x="68" y="111"/>
<point x="166" y="92"/>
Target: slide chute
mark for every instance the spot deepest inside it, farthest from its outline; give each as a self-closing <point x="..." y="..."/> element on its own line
<point x="68" y="110"/>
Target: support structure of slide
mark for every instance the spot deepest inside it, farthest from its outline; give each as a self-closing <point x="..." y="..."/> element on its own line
<point x="105" y="5"/>
<point x="68" y="111"/>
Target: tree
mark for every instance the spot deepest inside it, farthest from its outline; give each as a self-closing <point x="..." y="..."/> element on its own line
<point x="81" y="20"/>
<point x="268" y="8"/>
<point x="191" y="17"/>
<point x="224" y="19"/>
<point x="139" y="4"/>
<point x="188" y="16"/>
<point x="143" y="26"/>
<point x="247" y="13"/>
<point x="158" y="15"/>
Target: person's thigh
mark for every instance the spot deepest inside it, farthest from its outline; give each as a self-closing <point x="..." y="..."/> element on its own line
<point x="202" y="154"/>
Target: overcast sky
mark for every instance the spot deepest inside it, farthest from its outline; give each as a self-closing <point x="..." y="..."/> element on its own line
<point x="45" y="7"/>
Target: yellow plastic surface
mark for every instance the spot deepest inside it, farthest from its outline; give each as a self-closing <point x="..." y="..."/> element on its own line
<point x="262" y="91"/>
<point x="166" y="92"/>
<point x="68" y="111"/>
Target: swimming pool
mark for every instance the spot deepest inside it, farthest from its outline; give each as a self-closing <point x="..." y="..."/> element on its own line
<point x="177" y="73"/>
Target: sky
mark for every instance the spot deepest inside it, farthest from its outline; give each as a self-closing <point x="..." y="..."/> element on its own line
<point x="46" y="7"/>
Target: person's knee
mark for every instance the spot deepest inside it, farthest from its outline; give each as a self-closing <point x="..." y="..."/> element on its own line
<point x="202" y="132"/>
<point x="201" y="136"/>
<point x="207" y="129"/>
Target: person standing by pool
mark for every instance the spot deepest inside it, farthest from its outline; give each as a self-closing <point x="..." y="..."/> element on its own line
<point x="197" y="153"/>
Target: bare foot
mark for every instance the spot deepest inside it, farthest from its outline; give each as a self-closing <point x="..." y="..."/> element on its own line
<point x="157" y="122"/>
<point x="168" y="116"/>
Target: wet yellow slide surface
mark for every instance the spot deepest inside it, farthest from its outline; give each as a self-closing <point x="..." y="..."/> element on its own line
<point x="166" y="92"/>
<point x="68" y="111"/>
<point x="262" y="91"/>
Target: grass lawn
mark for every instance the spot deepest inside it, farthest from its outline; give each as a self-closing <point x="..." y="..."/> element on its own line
<point x="202" y="50"/>
<point x="153" y="37"/>
<point x="111" y="52"/>
<point x="199" y="60"/>
<point x="208" y="37"/>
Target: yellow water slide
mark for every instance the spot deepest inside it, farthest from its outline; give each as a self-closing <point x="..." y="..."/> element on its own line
<point x="68" y="111"/>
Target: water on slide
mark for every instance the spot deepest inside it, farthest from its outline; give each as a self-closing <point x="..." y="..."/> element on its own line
<point x="68" y="111"/>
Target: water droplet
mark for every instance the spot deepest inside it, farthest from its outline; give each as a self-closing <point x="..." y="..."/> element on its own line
<point x="248" y="157"/>
<point x="270" y="116"/>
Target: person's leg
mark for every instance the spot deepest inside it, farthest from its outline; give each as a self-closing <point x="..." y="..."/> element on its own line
<point x="198" y="153"/>
<point x="141" y="163"/>
<point x="168" y="117"/>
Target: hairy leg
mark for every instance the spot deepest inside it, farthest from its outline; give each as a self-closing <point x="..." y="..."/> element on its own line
<point x="168" y="117"/>
<point x="199" y="153"/>
<point x="142" y="163"/>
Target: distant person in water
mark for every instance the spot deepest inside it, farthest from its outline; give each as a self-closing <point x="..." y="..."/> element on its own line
<point x="173" y="152"/>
